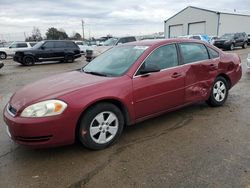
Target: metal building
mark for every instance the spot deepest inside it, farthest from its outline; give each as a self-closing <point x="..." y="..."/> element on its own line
<point x="193" y="20"/>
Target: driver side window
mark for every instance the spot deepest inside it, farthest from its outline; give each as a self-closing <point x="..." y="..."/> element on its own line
<point x="163" y="57"/>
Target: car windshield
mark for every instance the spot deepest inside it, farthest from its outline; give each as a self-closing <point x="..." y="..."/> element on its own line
<point x="38" y="45"/>
<point x="115" y="62"/>
<point x="227" y="36"/>
<point x="110" y="42"/>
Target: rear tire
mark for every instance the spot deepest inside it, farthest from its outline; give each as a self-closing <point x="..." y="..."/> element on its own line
<point x="101" y="126"/>
<point x="219" y="92"/>
<point x="69" y="58"/>
<point x="28" y="60"/>
<point x="3" y="55"/>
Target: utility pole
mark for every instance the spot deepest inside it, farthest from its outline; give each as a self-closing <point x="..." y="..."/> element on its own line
<point x="83" y="30"/>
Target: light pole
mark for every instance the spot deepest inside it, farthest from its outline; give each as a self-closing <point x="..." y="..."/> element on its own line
<point x="82" y="30"/>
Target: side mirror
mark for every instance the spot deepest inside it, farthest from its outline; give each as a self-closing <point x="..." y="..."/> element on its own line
<point x="10" y="47"/>
<point x="149" y="69"/>
<point x="42" y="48"/>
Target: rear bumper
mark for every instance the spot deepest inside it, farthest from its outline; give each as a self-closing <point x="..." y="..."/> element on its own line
<point x="77" y="56"/>
<point x="235" y="75"/>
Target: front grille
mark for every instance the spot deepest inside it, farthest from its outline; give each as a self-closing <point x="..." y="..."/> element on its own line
<point x="33" y="139"/>
<point x="12" y="111"/>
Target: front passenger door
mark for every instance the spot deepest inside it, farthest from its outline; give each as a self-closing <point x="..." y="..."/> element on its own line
<point x="157" y="92"/>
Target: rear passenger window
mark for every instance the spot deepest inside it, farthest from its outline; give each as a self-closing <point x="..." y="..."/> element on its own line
<point x="193" y="52"/>
<point x="71" y="44"/>
<point x="122" y="40"/>
<point x="213" y="54"/>
<point x="131" y="39"/>
<point x="196" y="37"/>
<point x="163" y="57"/>
<point x="22" y="45"/>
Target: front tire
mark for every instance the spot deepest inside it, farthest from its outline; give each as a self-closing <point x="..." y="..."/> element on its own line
<point x="101" y="126"/>
<point x="219" y="92"/>
<point x="28" y="60"/>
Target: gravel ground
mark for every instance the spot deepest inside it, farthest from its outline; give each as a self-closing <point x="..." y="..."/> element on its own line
<point x="197" y="146"/>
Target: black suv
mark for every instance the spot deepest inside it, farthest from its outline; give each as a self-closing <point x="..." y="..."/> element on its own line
<point x="50" y="50"/>
<point x="231" y="40"/>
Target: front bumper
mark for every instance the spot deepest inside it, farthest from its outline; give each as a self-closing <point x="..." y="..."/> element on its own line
<point x="41" y="132"/>
<point x="18" y="59"/>
<point x="222" y="45"/>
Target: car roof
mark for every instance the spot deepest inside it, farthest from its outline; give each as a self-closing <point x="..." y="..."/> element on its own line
<point x="152" y="42"/>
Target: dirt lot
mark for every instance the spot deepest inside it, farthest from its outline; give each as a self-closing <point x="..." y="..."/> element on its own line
<point x="197" y="146"/>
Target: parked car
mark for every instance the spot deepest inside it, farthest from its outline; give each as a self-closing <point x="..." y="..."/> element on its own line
<point x="212" y="39"/>
<point x="248" y="61"/>
<point x="83" y="46"/>
<point x="110" y="43"/>
<point x="125" y="85"/>
<point x="1" y="64"/>
<point x="50" y="50"/>
<point x="204" y="38"/>
<point x="248" y="38"/>
<point x="231" y="40"/>
<point x="13" y="47"/>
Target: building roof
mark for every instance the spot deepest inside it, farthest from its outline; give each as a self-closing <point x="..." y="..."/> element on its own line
<point x="207" y="10"/>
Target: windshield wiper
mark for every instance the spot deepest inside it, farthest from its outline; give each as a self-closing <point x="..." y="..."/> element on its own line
<point x="95" y="73"/>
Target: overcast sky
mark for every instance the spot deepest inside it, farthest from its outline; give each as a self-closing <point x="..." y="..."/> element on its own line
<point x="101" y="17"/>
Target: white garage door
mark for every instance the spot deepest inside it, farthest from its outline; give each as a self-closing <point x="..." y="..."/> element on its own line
<point x="175" y="31"/>
<point x="197" y="28"/>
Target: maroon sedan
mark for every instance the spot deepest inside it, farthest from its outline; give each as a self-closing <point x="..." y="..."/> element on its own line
<point x="123" y="86"/>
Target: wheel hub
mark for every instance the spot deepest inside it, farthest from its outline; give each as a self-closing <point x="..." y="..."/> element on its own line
<point x="104" y="127"/>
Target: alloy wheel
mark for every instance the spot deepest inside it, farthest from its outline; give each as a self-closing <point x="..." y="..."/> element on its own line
<point x="219" y="91"/>
<point x="104" y="127"/>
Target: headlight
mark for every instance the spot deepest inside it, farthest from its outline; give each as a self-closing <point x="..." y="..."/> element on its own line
<point x="44" y="109"/>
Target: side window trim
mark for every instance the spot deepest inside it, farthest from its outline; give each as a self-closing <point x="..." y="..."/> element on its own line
<point x="178" y="58"/>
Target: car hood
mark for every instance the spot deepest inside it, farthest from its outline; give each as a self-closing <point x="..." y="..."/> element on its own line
<point x="53" y="87"/>
<point x="3" y="49"/>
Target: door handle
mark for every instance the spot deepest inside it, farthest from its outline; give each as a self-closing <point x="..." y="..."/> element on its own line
<point x="213" y="67"/>
<point x="176" y="75"/>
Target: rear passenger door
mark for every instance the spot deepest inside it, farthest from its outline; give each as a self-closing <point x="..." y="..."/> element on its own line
<point x="199" y="70"/>
<point x="60" y="49"/>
